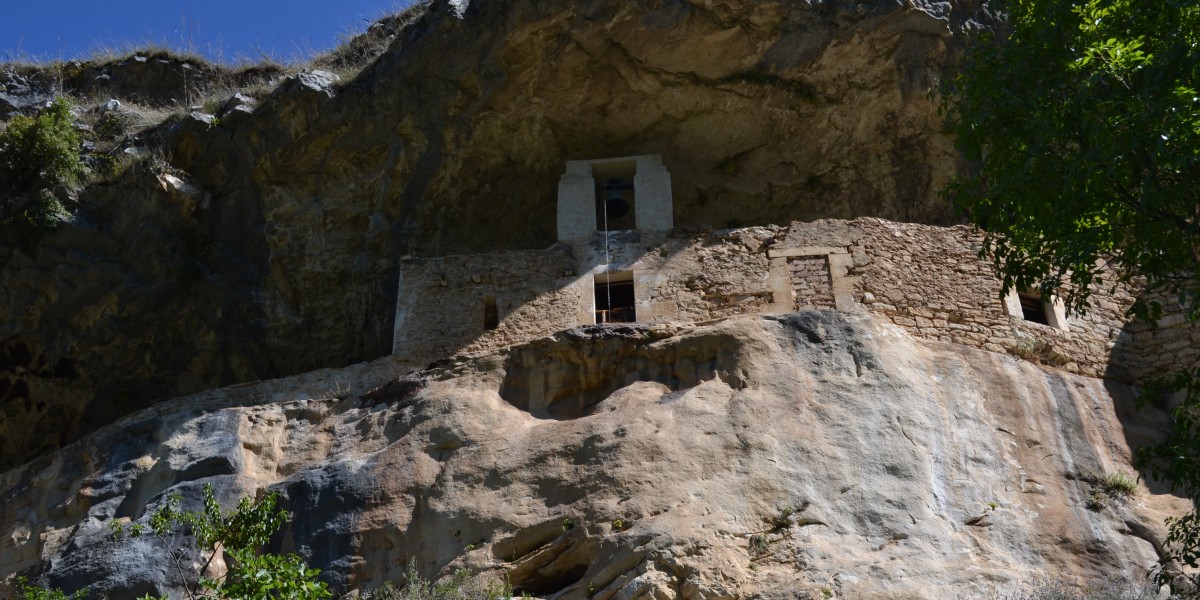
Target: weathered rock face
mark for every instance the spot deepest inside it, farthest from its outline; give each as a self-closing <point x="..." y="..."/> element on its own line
<point x="116" y="311"/>
<point x="907" y="467"/>
<point x="21" y="92"/>
<point x="762" y="111"/>
<point x="272" y="245"/>
<point x="148" y="78"/>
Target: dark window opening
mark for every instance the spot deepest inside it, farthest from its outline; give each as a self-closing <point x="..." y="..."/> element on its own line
<point x="614" y="299"/>
<point x="614" y="204"/>
<point x="615" y="197"/>
<point x="1033" y="309"/>
<point x="491" y="317"/>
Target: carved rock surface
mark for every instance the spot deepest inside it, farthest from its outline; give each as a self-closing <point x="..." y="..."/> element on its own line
<point x="280" y="254"/>
<point x="756" y="457"/>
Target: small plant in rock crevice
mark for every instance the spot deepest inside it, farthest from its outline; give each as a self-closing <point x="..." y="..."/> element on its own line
<point x="28" y="591"/>
<point x="759" y="544"/>
<point x="783" y="520"/>
<point x="1096" y="501"/>
<point x="1104" y="489"/>
<point x="1119" y="484"/>
<point x="459" y="586"/>
<point x="1037" y="351"/>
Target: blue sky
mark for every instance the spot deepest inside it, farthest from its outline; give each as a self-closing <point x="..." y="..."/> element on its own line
<point x="219" y="29"/>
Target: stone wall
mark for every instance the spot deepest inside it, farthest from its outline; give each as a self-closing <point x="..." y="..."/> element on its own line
<point x="928" y="280"/>
<point x="1142" y="351"/>
<point x="681" y="277"/>
<point x="811" y="286"/>
<point x="441" y="306"/>
<point x="932" y="282"/>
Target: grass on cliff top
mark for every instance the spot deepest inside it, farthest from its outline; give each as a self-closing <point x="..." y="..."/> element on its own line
<point x="210" y="82"/>
<point x="353" y="50"/>
<point x="112" y="138"/>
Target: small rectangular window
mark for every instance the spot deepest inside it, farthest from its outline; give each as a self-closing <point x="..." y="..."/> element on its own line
<point x="491" y="317"/>
<point x="1032" y="308"/>
<point x="615" y="298"/>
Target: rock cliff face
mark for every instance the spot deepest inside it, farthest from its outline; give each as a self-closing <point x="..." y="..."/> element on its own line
<point x="269" y="245"/>
<point x="758" y="457"/>
<point x="783" y="456"/>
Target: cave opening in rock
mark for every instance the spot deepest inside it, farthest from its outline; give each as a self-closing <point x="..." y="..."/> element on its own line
<point x="550" y="580"/>
<point x="614" y="295"/>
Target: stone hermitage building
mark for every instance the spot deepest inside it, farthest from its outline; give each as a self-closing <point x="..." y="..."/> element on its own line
<point x="930" y="281"/>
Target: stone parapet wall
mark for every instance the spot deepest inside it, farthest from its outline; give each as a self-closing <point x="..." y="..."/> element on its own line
<point x="707" y="276"/>
<point x="698" y="277"/>
<point x="932" y="282"/>
<point x="927" y="280"/>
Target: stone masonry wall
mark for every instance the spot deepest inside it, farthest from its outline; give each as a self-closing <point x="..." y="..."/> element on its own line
<point x="689" y="278"/>
<point x="932" y="282"/>
<point x="928" y="280"/>
<point x="811" y="284"/>
<point x="1142" y="351"/>
<point x="441" y="304"/>
<point x="707" y="276"/>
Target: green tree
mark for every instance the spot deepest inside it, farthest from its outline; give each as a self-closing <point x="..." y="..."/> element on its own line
<point x="1084" y="129"/>
<point x="37" y="155"/>
<point x="238" y="534"/>
<point x="1081" y="125"/>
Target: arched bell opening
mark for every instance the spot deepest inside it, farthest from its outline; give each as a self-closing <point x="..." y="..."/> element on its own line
<point x="615" y="195"/>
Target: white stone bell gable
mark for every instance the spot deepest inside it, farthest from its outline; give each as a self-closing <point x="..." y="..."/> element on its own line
<point x="578" y="198"/>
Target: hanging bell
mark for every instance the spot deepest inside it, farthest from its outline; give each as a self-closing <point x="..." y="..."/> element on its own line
<point x="615" y="204"/>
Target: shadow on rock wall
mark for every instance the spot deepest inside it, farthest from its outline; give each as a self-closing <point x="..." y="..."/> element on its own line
<point x="1141" y="356"/>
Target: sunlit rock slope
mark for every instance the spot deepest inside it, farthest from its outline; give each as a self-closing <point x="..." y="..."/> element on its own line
<point x="769" y="457"/>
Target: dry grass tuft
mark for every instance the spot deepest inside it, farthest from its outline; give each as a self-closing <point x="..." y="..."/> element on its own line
<point x="119" y="138"/>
